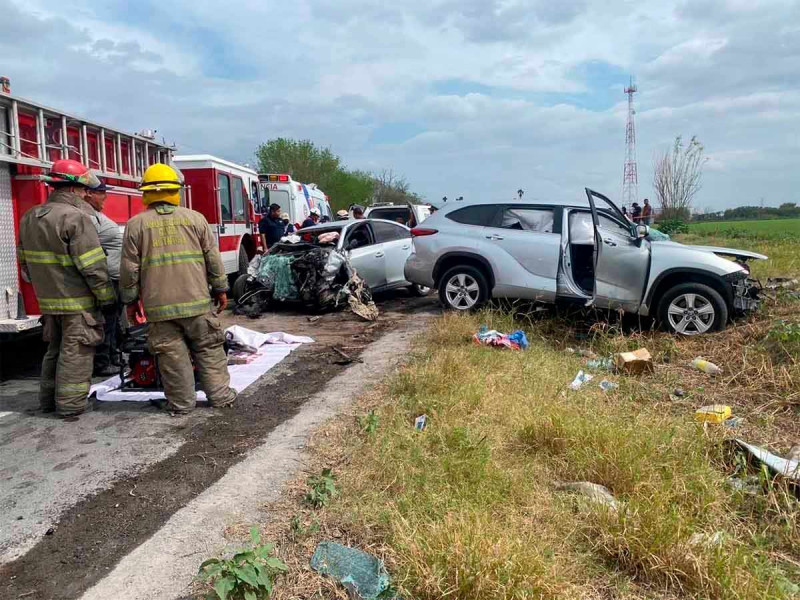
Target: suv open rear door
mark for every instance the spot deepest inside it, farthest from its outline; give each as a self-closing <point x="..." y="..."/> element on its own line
<point x="621" y="256"/>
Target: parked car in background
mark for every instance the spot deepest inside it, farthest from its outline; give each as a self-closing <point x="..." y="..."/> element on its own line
<point x="407" y="214"/>
<point x="581" y="252"/>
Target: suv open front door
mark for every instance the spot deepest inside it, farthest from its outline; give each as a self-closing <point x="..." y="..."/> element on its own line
<point x="621" y="257"/>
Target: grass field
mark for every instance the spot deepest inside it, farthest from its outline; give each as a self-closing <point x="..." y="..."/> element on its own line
<point x="472" y="507"/>
<point x="772" y="229"/>
<point x="778" y="239"/>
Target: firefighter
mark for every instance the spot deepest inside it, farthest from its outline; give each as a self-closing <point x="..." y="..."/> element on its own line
<point x="61" y="256"/>
<point x="170" y="260"/>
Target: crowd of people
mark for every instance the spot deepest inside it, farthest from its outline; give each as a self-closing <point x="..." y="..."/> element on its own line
<point x="275" y="224"/>
<point x="641" y="215"/>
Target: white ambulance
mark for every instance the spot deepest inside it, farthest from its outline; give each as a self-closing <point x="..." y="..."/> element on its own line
<point x="293" y="197"/>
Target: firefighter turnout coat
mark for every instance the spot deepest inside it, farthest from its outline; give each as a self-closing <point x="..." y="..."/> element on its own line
<point x="169" y="259"/>
<point x="60" y="253"/>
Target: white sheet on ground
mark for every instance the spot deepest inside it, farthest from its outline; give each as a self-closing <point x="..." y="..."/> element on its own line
<point x="273" y="349"/>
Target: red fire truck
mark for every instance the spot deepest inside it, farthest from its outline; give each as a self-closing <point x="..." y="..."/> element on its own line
<point x="32" y="136"/>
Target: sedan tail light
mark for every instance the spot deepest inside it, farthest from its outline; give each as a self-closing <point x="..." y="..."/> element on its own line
<point x="421" y="231"/>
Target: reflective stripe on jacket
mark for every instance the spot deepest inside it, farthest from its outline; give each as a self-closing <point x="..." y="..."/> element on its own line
<point x="170" y="258"/>
<point x="60" y="253"/>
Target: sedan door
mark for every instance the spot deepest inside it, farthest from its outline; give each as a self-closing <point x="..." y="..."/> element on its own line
<point x="622" y="258"/>
<point x="366" y="257"/>
<point x="396" y="242"/>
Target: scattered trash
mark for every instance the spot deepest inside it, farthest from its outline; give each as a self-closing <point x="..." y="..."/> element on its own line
<point x="421" y="422"/>
<point x="487" y="337"/>
<point x="714" y="413"/>
<point x="789" y="468"/>
<point x="733" y="422"/>
<point x="794" y="453"/>
<point x="678" y="392"/>
<point x="595" y="492"/>
<point x="705" y="366"/>
<point x="50" y="531"/>
<point x="707" y="540"/>
<point x="603" y="364"/>
<point x="314" y="319"/>
<point x="569" y="350"/>
<point x="607" y="385"/>
<point x="636" y="362"/>
<point x="363" y="575"/>
<point x="587" y="354"/>
<point x="773" y="283"/>
<point x="580" y="379"/>
<point x="747" y="485"/>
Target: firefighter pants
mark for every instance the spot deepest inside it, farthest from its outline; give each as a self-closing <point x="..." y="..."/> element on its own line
<point x="175" y="343"/>
<point x="107" y="351"/>
<point x="67" y="364"/>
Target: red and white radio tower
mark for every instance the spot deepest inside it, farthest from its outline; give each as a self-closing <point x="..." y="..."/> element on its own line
<point x="630" y="175"/>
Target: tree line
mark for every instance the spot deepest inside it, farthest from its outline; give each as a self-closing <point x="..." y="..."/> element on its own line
<point x="309" y="163"/>
<point x="787" y="210"/>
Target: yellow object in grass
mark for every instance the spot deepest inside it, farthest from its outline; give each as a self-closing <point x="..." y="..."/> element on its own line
<point x="715" y="413"/>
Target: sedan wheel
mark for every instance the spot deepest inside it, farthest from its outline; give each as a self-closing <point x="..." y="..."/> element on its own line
<point x="462" y="291"/>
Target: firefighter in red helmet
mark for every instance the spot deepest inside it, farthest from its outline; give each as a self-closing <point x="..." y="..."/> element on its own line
<point x="61" y="256"/>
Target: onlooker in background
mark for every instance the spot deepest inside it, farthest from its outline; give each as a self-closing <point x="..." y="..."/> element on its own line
<point x="647" y="212"/>
<point x="636" y="212"/>
<point x="342" y="215"/>
<point x="325" y="219"/>
<point x="271" y="227"/>
<point x="289" y="226"/>
<point x="358" y="211"/>
<point x="625" y="213"/>
<point x="312" y="219"/>
<point x="106" y="356"/>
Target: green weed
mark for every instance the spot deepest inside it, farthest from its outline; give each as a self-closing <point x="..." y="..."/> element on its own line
<point x="249" y="575"/>
<point x="322" y="489"/>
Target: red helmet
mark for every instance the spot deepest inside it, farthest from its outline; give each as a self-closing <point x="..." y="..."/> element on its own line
<point x="71" y="172"/>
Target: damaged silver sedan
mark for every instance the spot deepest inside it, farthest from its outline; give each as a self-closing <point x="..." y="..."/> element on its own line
<point x="327" y="266"/>
<point x="585" y="252"/>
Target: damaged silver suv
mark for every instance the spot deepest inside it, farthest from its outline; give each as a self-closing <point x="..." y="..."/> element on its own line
<point x="585" y="252"/>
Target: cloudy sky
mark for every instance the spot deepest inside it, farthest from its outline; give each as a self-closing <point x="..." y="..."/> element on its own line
<point x="467" y="97"/>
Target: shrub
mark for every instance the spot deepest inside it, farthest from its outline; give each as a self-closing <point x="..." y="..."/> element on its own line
<point x="672" y="226"/>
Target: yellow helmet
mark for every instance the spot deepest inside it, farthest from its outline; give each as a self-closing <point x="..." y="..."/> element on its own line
<point x="161" y="183"/>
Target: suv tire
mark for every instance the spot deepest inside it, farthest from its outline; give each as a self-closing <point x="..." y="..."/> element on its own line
<point x="418" y="290"/>
<point x="692" y="309"/>
<point x="463" y="288"/>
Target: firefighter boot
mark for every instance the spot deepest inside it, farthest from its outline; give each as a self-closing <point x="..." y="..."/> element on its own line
<point x="166" y="342"/>
<point x="206" y="339"/>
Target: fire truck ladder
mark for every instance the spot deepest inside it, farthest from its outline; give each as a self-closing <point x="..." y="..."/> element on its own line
<point x="35" y="135"/>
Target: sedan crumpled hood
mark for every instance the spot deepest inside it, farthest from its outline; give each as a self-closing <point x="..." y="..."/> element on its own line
<point x="740" y="254"/>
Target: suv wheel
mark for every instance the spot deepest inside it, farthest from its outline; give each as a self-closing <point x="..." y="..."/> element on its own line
<point x="463" y="288"/>
<point x="692" y="309"/>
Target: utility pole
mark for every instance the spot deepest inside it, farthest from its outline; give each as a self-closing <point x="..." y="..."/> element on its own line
<point x="630" y="174"/>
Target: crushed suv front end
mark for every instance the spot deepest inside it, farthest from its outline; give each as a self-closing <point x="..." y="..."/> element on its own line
<point x="746" y="291"/>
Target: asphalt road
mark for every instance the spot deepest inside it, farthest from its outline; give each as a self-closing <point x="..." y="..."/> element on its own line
<point x="85" y="493"/>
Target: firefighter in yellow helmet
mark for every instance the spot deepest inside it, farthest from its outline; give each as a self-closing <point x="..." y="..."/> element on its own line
<point x="171" y="261"/>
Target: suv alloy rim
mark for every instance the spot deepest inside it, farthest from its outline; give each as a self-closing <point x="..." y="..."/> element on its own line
<point x="691" y="314"/>
<point x="462" y="291"/>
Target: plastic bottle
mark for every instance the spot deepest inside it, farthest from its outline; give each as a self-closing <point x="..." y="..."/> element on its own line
<point x="705" y="366"/>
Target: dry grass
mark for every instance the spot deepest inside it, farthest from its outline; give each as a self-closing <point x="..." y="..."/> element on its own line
<point x="468" y="508"/>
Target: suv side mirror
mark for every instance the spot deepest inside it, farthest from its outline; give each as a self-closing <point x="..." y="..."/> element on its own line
<point x="642" y="231"/>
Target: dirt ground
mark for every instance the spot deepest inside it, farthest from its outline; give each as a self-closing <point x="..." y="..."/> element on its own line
<point x="89" y="538"/>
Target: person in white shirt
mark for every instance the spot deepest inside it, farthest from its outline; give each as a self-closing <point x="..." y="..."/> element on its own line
<point x="106" y="359"/>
